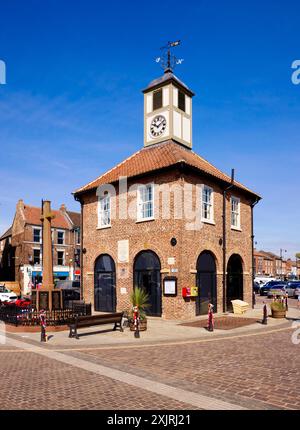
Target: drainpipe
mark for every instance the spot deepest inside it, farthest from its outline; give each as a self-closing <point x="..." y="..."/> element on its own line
<point x="78" y="199"/>
<point x="252" y="243"/>
<point x="224" y="240"/>
<point x="81" y="253"/>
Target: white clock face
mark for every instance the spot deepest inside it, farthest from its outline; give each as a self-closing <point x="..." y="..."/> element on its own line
<point x="158" y="125"/>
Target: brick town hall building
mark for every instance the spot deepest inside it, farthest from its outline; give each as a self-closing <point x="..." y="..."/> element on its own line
<point x="156" y="243"/>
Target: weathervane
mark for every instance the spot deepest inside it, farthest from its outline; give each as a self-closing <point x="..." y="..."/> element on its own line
<point x="168" y="60"/>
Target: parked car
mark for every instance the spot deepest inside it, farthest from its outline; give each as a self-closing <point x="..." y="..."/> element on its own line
<point x="67" y="284"/>
<point x="265" y="288"/>
<point x="7" y="295"/>
<point x="291" y="287"/>
<point x="277" y="291"/>
<point x="263" y="280"/>
<point x="256" y="287"/>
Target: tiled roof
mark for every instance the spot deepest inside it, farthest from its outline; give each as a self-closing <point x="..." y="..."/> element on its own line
<point x="165" y="78"/>
<point x="157" y="157"/>
<point x="75" y="218"/>
<point x="263" y="254"/>
<point x="33" y="214"/>
<point x="6" y="234"/>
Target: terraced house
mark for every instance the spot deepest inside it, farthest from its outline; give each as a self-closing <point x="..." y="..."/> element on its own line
<point x="21" y="260"/>
<point x="167" y="220"/>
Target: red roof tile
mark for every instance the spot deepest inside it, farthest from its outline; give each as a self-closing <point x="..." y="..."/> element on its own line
<point x="156" y="157"/>
<point x="33" y="215"/>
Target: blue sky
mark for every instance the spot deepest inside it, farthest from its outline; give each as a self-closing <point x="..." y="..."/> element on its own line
<point x="72" y="106"/>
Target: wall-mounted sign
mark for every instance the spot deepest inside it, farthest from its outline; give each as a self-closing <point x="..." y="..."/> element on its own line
<point x="123" y="291"/>
<point x="123" y="251"/>
<point x="171" y="260"/>
<point x="170" y="286"/>
<point x="173" y="270"/>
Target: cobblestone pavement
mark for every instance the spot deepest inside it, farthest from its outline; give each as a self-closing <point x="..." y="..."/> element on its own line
<point x="256" y="372"/>
<point x="29" y="381"/>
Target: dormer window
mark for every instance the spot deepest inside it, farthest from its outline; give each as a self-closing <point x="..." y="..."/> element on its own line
<point x="181" y="101"/>
<point x="157" y="99"/>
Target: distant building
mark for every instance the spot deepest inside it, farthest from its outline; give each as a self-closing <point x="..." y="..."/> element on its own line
<point x="7" y="253"/>
<point x="21" y="246"/>
<point x="272" y="265"/>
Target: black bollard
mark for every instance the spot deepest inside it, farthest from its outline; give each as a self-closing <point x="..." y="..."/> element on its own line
<point x="265" y="315"/>
<point x="286" y="303"/>
<point x="43" y="334"/>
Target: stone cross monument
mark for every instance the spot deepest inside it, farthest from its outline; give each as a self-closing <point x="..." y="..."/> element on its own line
<point x="46" y="296"/>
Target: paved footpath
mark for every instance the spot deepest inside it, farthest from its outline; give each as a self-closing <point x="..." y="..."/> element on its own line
<point x="243" y="369"/>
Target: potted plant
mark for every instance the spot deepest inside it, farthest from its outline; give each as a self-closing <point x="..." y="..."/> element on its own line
<point x="139" y="298"/>
<point x="278" y="309"/>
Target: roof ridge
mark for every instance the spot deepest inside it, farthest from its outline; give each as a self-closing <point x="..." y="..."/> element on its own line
<point x="37" y="207"/>
<point x="108" y="171"/>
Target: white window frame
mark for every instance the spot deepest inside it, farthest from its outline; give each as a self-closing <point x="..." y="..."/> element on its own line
<point x="64" y="237"/>
<point x="238" y="213"/>
<point x="141" y="204"/>
<point x="41" y="257"/>
<point x="104" y="213"/>
<point x="64" y="257"/>
<point x="37" y="228"/>
<point x="211" y="219"/>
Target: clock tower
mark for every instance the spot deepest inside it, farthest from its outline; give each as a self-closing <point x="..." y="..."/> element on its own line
<point x="168" y="111"/>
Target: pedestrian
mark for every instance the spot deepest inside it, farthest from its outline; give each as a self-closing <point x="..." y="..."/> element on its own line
<point x="298" y="304"/>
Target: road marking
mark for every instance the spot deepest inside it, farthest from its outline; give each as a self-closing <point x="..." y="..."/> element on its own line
<point x="178" y="394"/>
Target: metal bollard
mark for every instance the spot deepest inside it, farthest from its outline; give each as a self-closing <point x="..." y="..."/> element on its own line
<point x="265" y="315"/>
<point x="43" y="326"/>
<point x="136" y="319"/>
<point x="210" y="317"/>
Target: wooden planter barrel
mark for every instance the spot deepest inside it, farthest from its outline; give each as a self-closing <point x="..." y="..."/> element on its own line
<point x="143" y="325"/>
<point x="278" y="314"/>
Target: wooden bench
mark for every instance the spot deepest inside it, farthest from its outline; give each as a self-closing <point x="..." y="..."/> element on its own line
<point x="93" y="320"/>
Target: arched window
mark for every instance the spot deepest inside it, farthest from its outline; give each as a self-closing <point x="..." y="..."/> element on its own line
<point x="206" y="283"/>
<point x="147" y="276"/>
<point x="105" y="284"/>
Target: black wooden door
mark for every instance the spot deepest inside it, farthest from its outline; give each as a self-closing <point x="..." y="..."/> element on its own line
<point x="150" y="282"/>
<point x="105" y="292"/>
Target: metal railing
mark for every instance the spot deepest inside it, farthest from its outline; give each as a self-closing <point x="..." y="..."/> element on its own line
<point x="28" y="316"/>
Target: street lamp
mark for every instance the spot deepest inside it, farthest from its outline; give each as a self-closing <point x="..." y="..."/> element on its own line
<point x="281" y="256"/>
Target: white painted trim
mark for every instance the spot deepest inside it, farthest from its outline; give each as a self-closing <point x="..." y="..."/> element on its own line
<point x="139" y="203"/>
<point x="236" y="227"/>
<point x="103" y="227"/>
<point x="207" y="220"/>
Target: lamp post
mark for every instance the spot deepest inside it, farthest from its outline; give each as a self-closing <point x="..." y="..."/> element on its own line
<point x="297" y="264"/>
<point x="281" y="257"/>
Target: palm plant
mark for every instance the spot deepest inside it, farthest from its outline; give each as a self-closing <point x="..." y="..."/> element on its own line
<point x="140" y="298"/>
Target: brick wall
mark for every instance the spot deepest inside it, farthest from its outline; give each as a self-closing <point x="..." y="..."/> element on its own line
<point x="156" y="235"/>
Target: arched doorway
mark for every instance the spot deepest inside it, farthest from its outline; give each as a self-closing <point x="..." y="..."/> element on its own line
<point x="147" y="276"/>
<point x="206" y="283"/>
<point x="234" y="279"/>
<point x="105" y="284"/>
